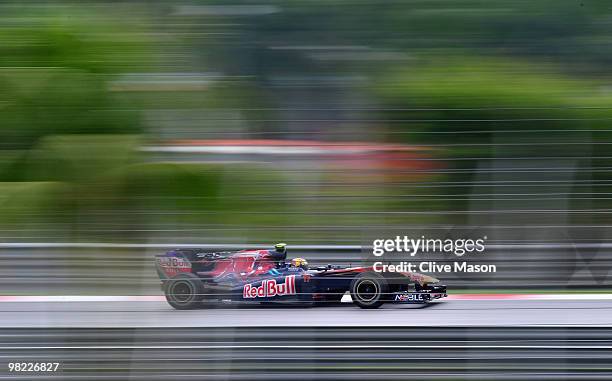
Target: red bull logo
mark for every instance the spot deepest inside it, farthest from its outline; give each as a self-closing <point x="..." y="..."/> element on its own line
<point x="174" y="265"/>
<point x="269" y="288"/>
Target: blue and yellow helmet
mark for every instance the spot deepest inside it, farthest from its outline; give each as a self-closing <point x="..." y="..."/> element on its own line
<point x="299" y="262"/>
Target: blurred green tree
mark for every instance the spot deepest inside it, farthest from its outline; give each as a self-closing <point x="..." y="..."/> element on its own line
<point x="55" y="64"/>
<point x="500" y="115"/>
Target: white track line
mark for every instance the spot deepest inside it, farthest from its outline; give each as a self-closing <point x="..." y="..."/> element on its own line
<point x="346" y="298"/>
<point x="366" y="346"/>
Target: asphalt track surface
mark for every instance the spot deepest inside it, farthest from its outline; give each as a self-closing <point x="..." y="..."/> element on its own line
<point x="445" y="313"/>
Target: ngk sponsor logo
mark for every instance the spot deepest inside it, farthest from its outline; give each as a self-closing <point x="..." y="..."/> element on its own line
<point x="269" y="288"/>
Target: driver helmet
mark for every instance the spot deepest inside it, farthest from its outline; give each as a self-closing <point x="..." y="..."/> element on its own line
<point x="299" y="262"/>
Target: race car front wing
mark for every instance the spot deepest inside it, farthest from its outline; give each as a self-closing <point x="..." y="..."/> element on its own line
<point x="424" y="295"/>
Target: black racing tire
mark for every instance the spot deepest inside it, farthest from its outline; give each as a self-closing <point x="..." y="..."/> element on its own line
<point x="184" y="292"/>
<point x="369" y="290"/>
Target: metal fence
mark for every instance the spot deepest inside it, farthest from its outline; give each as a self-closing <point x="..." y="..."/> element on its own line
<point x="128" y="269"/>
<point x="289" y="353"/>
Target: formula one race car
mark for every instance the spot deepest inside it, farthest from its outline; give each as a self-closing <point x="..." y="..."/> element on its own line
<point x="192" y="278"/>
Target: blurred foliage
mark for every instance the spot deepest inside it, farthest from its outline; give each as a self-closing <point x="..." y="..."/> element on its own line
<point x="39" y="102"/>
<point x="492" y="116"/>
<point x="100" y="40"/>
<point x="84" y="84"/>
<point x="475" y="100"/>
<point x="32" y="204"/>
<point x="60" y="122"/>
<point x="80" y="158"/>
<point x="55" y="64"/>
<point x="173" y="187"/>
<point x="171" y="194"/>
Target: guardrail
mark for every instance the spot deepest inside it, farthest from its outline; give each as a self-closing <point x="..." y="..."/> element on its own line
<point x="128" y="269"/>
<point x="282" y="352"/>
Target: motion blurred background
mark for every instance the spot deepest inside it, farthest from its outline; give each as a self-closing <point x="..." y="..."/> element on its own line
<point x="305" y="121"/>
<point x="129" y="127"/>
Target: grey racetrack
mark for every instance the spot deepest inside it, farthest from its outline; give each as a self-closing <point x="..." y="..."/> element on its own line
<point x="444" y="313"/>
<point x="454" y="339"/>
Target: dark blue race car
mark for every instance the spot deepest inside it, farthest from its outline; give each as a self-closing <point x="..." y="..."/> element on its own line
<point x="193" y="278"/>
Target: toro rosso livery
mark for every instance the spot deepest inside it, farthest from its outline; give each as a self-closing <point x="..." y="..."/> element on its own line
<point x="192" y="278"/>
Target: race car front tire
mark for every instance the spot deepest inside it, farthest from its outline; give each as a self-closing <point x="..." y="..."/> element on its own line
<point x="369" y="290"/>
<point x="184" y="292"/>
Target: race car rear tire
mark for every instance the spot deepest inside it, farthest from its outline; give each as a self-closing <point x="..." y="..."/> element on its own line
<point x="369" y="290"/>
<point x="184" y="292"/>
